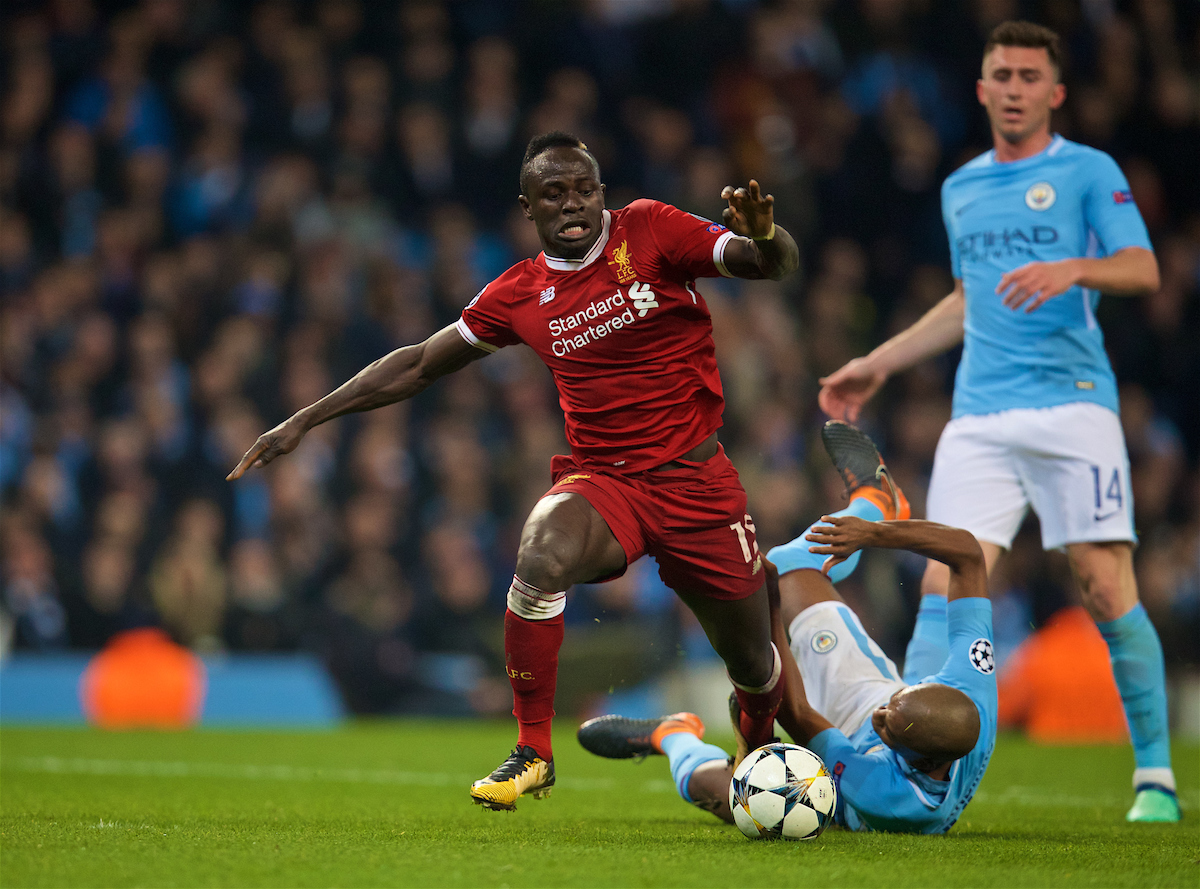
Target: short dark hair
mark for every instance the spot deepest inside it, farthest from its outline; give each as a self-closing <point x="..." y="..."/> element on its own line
<point x="546" y="141"/>
<point x="1027" y="34"/>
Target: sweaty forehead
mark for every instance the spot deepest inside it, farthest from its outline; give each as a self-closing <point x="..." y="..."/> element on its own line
<point x="563" y="163"/>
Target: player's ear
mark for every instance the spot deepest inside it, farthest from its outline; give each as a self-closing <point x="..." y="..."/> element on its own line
<point x="1058" y="96"/>
<point x="979" y="91"/>
<point x="524" y="202"/>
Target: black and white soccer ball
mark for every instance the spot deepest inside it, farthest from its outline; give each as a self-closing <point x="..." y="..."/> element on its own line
<point x="782" y="791"/>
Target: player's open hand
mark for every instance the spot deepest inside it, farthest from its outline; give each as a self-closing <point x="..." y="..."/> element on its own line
<point x="749" y="214"/>
<point x="845" y="391"/>
<point x="280" y="440"/>
<point x="1033" y="284"/>
<point x="839" y="537"/>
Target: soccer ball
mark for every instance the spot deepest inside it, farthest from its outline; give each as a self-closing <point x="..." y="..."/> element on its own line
<point x="782" y="791"/>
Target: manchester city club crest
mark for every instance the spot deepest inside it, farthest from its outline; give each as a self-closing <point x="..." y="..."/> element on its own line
<point x="1040" y="196"/>
<point x="981" y="655"/>
<point x="823" y="641"/>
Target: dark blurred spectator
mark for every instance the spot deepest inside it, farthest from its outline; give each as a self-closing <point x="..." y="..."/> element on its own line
<point x="188" y="580"/>
<point x="31" y="594"/>
<point x="118" y="103"/>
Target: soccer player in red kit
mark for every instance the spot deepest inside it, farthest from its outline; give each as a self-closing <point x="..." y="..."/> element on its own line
<point x="611" y="307"/>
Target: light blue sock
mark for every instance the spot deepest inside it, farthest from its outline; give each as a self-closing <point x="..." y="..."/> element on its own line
<point x="686" y="753"/>
<point x="795" y="555"/>
<point x="930" y="643"/>
<point x="1137" y="662"/>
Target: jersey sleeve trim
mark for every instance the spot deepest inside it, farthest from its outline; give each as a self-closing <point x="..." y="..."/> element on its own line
<point x="719" y="254"/>
<point x="467" y="334"/>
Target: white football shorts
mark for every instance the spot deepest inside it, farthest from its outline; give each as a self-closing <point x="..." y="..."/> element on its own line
<point x="846" y="675"/>
<point x="1068" y="462"/>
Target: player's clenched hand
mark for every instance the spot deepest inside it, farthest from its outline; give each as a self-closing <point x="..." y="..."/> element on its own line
<point x="1037" y="282"/>
<point x="749" y="214"/>
<point x="839" y="537"/>
<point x="280" y="440"/>
<point x="846" y="390"/>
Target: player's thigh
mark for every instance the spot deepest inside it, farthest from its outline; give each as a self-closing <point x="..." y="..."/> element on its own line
<point x="707" y="551"/>
<point x="706" y="543"/>
<point x="975" y="483"/>
<point x="1074" y="464"/>
<point x="846" y="674"/>
<point x="566" y="541"/>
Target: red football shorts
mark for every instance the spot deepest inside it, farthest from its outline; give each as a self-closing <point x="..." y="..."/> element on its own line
<point x="692" y="520"/>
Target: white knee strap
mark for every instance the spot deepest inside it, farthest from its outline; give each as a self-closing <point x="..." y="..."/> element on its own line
<point x="776" y="672"/>
<point x="527" y="601"/>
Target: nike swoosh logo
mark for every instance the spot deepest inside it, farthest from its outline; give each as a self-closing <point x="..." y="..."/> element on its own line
<point x="963" y="209"/>
<point x="1108" y="515"/>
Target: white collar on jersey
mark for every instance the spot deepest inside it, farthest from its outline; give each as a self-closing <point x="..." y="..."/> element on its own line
<point x="1056" y="145"/>
<point x="574" y="265"/>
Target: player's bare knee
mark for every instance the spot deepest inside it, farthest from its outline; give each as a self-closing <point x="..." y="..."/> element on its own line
<point x="547" y="562"/>
<point x="1104" y="574"/>
<point x="1103" y="597"/>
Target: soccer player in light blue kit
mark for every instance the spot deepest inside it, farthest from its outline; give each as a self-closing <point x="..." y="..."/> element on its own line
<point x="907" y="754"/>
<point x="1039" y="227"/>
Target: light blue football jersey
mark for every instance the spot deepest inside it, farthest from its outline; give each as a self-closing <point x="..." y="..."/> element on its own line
<point x="877" y="788"/>
<point x="1067" y="201"/>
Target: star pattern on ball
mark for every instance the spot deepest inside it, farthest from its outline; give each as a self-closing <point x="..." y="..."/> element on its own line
<point x="782" y="791"/>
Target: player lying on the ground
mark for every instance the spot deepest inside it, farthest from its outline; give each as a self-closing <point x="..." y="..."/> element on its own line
<point x="906" y="754"/>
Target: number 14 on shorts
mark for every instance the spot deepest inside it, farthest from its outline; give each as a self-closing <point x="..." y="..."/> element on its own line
<point x="1107" y="490"/>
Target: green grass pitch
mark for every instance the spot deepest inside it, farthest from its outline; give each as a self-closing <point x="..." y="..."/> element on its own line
<point x="385" y="804"/>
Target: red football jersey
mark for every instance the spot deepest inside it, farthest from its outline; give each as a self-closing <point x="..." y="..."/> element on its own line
<point x="624" y="331"/>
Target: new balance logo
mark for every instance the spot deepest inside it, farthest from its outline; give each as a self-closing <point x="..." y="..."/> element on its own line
<point x="643" y="298"/>
<point x="547" y="295"/>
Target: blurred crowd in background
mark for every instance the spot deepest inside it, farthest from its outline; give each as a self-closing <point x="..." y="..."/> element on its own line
<point x="212" y="213"/>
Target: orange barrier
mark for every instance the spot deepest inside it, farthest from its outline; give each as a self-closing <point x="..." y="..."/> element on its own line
<point x="1059" y="685"/>
<point x="143" y="680"/>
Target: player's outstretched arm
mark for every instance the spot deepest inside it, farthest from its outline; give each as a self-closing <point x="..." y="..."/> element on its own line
<point x="841" y="536"/>
<point x="764" y="249"/>
<point x="394" y="377"/>
<point x="846" y="390"/>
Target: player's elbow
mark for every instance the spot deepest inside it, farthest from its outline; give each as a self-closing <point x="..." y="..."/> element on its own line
<point x="1144" y="274"/>
<point x="1152" y="281"/>
<point x="968" y="554"/>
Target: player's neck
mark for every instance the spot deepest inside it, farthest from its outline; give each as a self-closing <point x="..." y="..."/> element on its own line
<point x="939" y="772"/>
<point x="1006" y="152"/>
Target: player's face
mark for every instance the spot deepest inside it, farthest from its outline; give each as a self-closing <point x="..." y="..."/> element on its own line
<point x="1019" y="89"/>
<point x="565" y="202"/>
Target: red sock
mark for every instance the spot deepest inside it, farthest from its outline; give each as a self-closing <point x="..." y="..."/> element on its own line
<point x="757" y="720"/>
<point x="531" y="657"/>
